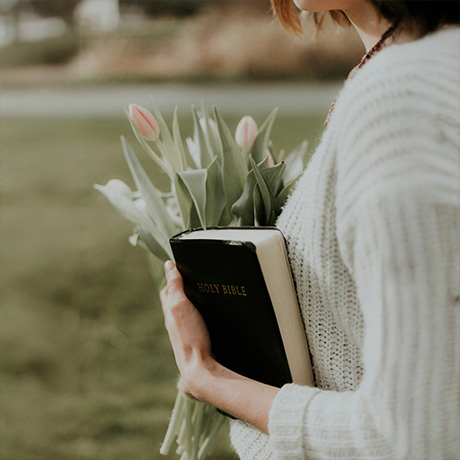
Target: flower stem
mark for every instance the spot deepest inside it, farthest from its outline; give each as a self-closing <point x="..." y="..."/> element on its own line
<point x="174" y="424"/>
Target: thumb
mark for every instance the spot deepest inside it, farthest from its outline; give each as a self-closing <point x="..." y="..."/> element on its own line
<point x="173" y="276"/>
<point x="174" y="290"/>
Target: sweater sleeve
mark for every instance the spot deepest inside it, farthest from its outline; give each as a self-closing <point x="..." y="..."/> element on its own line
<point x="397" y="202"/>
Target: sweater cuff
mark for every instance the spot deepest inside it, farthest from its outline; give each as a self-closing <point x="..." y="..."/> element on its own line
<point x="248" y="442"/>
<point x="286" y="419"/>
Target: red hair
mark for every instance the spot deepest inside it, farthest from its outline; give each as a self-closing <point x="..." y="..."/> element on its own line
<point x="286" y="12"/>
<point x="426" y="16"/>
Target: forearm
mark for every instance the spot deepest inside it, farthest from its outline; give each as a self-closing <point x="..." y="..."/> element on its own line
<point x="234" y="394"/>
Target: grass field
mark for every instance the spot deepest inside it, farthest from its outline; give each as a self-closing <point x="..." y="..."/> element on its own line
<point x="86" y="371"/>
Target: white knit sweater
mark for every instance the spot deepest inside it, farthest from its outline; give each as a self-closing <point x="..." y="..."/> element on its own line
<point x="373" y="236"/>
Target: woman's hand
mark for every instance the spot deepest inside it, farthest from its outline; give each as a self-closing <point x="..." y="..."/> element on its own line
<point x="187" y="331"/>
<point x="204" y="377"/>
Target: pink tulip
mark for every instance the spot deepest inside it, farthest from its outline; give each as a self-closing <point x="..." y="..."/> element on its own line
<point x="246" y="132"/>
<point x="144" y="121"/>
<point x="271" y="161"/>
<point x="212" y="123"/>
<point x="119" y="186"/>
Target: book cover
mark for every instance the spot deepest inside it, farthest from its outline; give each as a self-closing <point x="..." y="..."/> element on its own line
<point x="223" y="278"/>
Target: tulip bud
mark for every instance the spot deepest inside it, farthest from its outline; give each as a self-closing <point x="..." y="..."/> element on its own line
<point x="133" y="239"/>
<point x="144" y="121"/>
<point x="140" y="204"/>
<point x="271" y="161"/>
<point x="246" y="132"/>
<point x="119" y="186"/>
<point x="212" y="123"/>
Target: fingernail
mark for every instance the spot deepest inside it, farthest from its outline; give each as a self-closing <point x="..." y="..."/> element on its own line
<point x="169" y="266"/>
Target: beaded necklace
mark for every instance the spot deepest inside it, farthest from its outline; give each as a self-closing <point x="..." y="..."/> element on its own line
<point x="382" y="43"/>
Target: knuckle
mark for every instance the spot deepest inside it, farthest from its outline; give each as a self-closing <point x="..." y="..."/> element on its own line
<point x="174" y="283"/>
<point x="178" y="307"/>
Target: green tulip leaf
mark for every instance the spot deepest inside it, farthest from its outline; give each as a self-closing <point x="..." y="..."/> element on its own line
<point x="184" y="201"/>
<point x="274" y="177"/>
<point x="195" y="182"/>
<point x="263" y="165"/>
<point x="268" y="198"/>
<point x="211" y="136"/>
<point x="260" y="145"/>
<point x="156" y="266"/>
<point x="234" y="169"/>
<point x="200" y="140"/>
<point x="179" y="147"/>
<point x="195" y="221"/>
<point x="277" y="157"/>
<point x="243" y="209"/>
<point x="215" y="201"/>
<point x="225" y="218"/>
<point x="295" y="162"/>
<point x="171" y="156"/>
<point x="152" y="196"/>
<point x="260" y="218"/>
<point x="156" y="244"/>
<point x="286" y="191"/>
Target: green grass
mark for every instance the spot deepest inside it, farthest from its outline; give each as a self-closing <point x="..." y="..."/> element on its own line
<point x="86" y="371"/>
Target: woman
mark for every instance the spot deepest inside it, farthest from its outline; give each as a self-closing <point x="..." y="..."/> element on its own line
<point x="372" y="231"/>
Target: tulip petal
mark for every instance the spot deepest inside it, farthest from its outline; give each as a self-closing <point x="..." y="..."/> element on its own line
<point x="144" y="121"/>
<point x="127" y="209"/>
<point x="246" y="132"/>
<point x="120" y="186"/>
<point x="123" y="204"/>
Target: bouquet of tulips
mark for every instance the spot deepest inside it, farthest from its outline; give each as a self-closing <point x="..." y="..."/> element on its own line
<point x="214" y="179"/>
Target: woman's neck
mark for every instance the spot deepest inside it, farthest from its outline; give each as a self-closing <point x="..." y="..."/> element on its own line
<point x="371" y="26"/>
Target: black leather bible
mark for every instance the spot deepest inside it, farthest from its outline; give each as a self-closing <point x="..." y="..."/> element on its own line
<point x="240" y="281"/>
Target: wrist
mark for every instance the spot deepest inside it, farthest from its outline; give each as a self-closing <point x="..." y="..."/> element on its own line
<point x="200" y="377"/>
<point x="234" y="394"/>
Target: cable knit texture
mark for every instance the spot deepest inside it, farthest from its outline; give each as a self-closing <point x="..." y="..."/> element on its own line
<point x="373" y="237"/>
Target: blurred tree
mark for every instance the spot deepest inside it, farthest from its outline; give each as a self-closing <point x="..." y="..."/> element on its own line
<point x="13" y="12"/>
<point x="63" y="9"/>
<point x="165" y="7"/>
